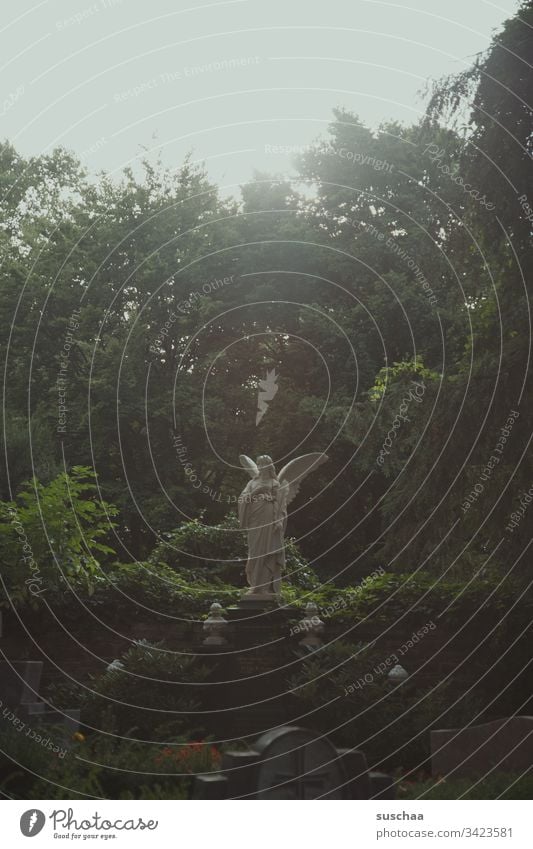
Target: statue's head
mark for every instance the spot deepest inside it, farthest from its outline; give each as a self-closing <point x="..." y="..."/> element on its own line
<point x="265" y="465"/>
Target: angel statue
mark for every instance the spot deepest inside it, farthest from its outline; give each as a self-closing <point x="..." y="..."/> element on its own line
<point x="263" y="514"/>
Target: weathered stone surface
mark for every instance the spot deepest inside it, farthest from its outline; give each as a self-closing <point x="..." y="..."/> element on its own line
<point x="19" y="682"/>
<point x="297" y="764"/>
<point x="293" y="763"/>
<point x="505" y="744"/>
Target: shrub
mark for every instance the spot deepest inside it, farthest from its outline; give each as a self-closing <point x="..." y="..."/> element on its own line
<point x="54" y="534"/>
<point x="113" y="768"/>
<point x="200" y="552"/>
<point x="158" y="587"/>
<point x="355" y="703"/>
<point x="479" y="620"/>
<point x="150" y="693"/>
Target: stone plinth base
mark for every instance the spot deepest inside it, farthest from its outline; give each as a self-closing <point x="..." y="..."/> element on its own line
<point x="248" y="691"/>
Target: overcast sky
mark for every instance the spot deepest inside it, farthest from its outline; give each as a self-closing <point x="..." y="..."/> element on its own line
<point x="228" y="80"/>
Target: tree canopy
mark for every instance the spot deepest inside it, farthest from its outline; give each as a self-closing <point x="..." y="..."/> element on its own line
<point x="387" y="285"/>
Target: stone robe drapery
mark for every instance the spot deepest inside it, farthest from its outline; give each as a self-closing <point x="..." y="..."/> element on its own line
<point x="263" y="514"/>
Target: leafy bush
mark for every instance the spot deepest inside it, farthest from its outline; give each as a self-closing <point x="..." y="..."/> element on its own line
<point x="19" y="752"/>
<point x="28" y="768"/>
<point x="196" y="547"/>
<point x="53" y="534"/>
<point x="200" y="551"/>
<point x="354" y="702"/>
<point x="385" y="598"/>
<point x="150" y="693"/>
<point x="108" y="767"/>
<point x="480" y="619"/>
<point x="156" y="586"/>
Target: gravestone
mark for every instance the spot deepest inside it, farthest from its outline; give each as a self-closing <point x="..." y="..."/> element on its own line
<point x="19" y="695"/>
<point x="19" y="685"/>
<point x="505" y="744"/>
<point x="293" y="763"/>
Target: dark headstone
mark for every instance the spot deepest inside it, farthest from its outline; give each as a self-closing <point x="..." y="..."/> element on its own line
<point x="506" y="744"/>
<point x="241" y="770"/>
<point x="293" y="763"/>
<point x="210" y="787"/>
<point x="19" y="694"/>
<point x="356" y="768"/>
<point x="19" y="682"/>
<point x="381" y="786"/>
<point x="298" y="764"/>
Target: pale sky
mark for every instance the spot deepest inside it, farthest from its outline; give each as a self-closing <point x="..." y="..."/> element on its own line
<point x="228" y="80"/>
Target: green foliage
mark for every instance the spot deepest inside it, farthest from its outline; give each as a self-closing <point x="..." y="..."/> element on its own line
<point x="400" y="375"/>
<point x="409" y="600"/>
<point x="354" y="702"/>
<point x="20" y="752"/>
<point x="199" y="552"/>
<point x="130" y="588"/>
<point x="496" y="785"/>
<point x="388" y="220"/>
<point x="27" y="767"/>
<point x="137" y="258"/>
<point x="53" y="535"/>
<point x="152" y="692"/>
<point x="203" y="549"/>
<point x="391" y="597"/>
<point x="102" y="765"/>
<point x="345" y="684"/>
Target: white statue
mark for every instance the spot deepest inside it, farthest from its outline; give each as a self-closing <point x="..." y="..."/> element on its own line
<point x="263" y="514"/>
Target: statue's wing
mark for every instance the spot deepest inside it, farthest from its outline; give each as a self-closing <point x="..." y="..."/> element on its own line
<point x="248" y="464"/>
<point x="296" y="470"/>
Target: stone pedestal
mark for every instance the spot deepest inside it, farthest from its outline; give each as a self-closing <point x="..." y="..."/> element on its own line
<point x="247" y="692"/>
